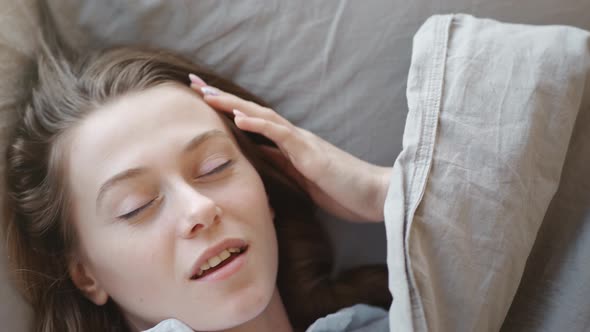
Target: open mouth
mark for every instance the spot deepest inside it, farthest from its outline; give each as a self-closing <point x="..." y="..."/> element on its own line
<point x="218" y="262"/>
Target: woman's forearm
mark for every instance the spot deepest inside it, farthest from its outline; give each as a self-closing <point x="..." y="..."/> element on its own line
<point x="381" y="185"/>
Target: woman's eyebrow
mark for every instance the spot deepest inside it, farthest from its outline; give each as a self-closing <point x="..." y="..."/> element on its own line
<point x="194" y="143"/>
<point x="125" y="175"/>
<point x="201" y="138"/>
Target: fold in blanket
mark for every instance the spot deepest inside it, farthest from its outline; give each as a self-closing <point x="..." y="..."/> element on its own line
<point x="477" y="220"/>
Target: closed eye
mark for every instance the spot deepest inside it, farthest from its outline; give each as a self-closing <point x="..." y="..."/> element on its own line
<point x="217" y="169"/>
<point x="143" y="207"/>
<point x="136" y="211"/>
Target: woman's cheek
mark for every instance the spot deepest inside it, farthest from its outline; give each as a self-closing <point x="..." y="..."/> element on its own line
<point x="245" y="188"/>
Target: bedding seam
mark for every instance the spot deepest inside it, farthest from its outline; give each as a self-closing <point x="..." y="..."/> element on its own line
<point x="430" y="110"/>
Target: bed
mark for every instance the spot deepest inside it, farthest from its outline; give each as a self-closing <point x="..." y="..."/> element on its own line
<point x="522" y="257"/>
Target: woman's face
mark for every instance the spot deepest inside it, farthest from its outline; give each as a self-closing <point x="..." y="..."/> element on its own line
<point x="159" y="186"/>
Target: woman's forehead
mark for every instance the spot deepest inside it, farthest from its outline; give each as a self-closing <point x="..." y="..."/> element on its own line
<point x="165" y="102"/>
<point x="144" y="126"/>
<point x="147" y="112"/>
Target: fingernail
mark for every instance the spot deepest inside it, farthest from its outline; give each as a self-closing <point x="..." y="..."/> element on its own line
<point x="210" y="91"/>
<point x="196" y="80"/>
<point x="238" y="113"/>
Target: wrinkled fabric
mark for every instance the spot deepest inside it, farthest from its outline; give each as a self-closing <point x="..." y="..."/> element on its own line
<point x="357" y="318"/>
<point x="487" y="209"/>
<point x="362" y="65"/>
<point x="170" y="325"/>
<point x="487" y="213"/>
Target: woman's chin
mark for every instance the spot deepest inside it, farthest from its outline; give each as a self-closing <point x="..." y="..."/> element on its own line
<point x="251" y="305"/>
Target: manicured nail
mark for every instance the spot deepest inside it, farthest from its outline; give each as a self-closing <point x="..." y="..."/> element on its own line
<point x="238" y="113"/>
<point x="196" y="80"/>
<point x="209" y="91"/>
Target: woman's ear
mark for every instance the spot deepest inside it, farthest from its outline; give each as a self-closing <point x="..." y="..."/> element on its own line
<point x="85" y="281"/>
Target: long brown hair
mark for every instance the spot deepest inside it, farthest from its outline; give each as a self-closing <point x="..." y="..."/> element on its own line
<point x="38" y="229"/>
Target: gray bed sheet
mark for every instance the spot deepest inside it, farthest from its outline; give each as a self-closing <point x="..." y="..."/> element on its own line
<point x="351" y="61"/>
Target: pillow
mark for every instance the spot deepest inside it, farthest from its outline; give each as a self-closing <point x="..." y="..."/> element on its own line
<point x="472" y="205"/>
<point x="336" y="68"/>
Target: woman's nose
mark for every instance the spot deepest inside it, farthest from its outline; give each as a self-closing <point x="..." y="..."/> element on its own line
<point x="199" y="212"/>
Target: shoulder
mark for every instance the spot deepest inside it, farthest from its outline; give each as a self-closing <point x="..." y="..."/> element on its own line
<point x="170" y="325"/>
<point x="357" y="318"/>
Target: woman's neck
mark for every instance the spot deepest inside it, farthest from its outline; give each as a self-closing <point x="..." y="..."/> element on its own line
<point x="273" y="319"/>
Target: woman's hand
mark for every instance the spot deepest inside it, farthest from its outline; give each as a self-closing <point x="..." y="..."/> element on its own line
<point x="337" y="182"/>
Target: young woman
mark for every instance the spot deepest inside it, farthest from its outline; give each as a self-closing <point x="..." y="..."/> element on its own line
<point x="136" y="194"/>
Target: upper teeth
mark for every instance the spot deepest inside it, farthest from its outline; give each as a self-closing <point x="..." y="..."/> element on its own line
<point x="216" y="260"/>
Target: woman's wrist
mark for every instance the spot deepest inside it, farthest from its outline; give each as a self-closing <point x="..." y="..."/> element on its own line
<point x="380" y="188"/>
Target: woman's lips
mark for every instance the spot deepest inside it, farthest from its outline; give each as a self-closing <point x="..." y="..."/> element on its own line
<point x="225" y="270"/>
<point x="211" y="255"/>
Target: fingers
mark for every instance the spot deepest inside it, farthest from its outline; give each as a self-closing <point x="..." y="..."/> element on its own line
<point x="280" y="134"/>
<point x="196" y="81"/>
<point x="227" y="102"/>
<point x="252" y="117"/>
<point x="248" y="115"/>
